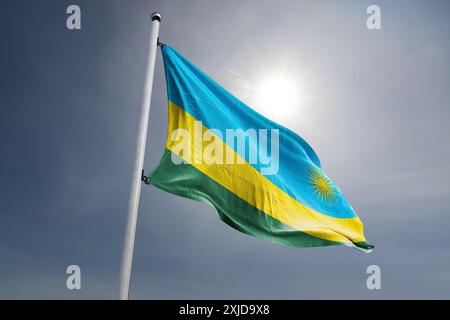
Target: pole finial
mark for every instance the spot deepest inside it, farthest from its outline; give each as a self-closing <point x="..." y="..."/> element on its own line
<point x="156" y="16"/>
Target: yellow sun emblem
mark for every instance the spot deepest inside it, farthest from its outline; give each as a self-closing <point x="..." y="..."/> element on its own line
<point x="323" y="187"/>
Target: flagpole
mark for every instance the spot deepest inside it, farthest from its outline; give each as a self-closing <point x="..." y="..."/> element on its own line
<point x="133" y="204"/>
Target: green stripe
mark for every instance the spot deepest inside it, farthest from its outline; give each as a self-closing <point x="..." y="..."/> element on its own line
<point x="187" y="181"/>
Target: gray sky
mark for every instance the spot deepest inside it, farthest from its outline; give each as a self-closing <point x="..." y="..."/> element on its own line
<point x="375" y="109"/>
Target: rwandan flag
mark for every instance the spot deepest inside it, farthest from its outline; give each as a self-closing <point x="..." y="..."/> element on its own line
<point x="291" y="202"/>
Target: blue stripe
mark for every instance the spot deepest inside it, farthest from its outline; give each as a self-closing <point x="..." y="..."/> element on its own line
<point x="204" y="99"/>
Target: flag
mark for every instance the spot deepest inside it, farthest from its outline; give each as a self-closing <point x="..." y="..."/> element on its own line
<point x="262" y="178"/>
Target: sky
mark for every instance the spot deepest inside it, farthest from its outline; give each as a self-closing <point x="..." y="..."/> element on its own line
<point x="374" y="104"/>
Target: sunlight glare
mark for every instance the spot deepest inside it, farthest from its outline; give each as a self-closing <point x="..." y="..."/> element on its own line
<point x="277" y="95"/>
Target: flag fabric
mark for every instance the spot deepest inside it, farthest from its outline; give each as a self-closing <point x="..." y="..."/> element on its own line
<point x="270" y="184"/>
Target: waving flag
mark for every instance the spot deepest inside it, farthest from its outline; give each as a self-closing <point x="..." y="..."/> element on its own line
<point x="261" y="178"/>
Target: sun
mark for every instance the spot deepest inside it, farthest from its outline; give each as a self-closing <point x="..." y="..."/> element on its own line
<point x="323" y="187"/>
<point x="277" y="95"/>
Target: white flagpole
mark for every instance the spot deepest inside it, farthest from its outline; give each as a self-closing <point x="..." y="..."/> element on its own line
<point x="133" y="204"/>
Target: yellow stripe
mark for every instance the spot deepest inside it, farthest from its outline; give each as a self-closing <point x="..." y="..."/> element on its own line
<point x="250" y="185"/>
